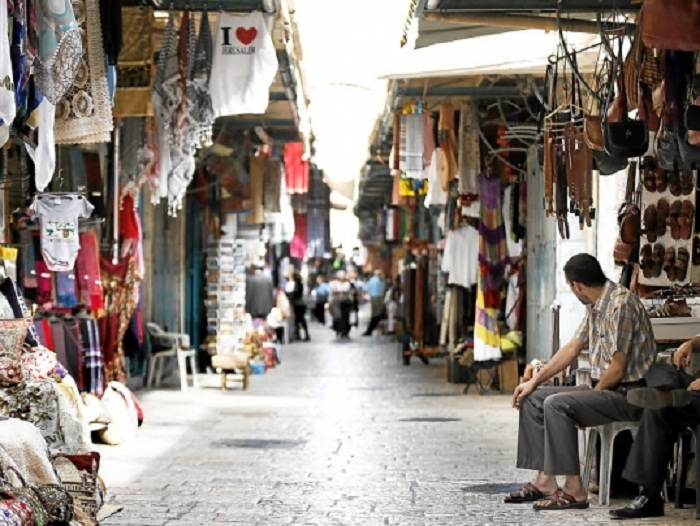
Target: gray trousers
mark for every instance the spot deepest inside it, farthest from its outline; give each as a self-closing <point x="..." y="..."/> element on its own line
<point x="549" y="421"/>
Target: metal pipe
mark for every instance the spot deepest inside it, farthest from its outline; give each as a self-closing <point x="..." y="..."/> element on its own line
<point x="115" y="196"/>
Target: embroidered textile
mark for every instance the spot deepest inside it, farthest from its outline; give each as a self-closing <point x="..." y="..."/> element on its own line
<point x="8" y="108"/>
<point x="12" y="335"/>
<point x="202" y="111"/>
<point x="412" y="145"/>
<point x="59" y="48"/>
<point x="40" y="402"/>
<point x="39" y="362"/>
<point x="23" y="450"/>
<point x="84" y="114"/>
<point x="469" y="149"/>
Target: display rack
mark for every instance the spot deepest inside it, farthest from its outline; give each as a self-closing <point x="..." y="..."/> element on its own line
<point x="225" y="303"/>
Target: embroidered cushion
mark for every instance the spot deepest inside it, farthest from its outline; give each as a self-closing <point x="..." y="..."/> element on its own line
<point x="12" y="335"/>
<point x="39" y="362"/>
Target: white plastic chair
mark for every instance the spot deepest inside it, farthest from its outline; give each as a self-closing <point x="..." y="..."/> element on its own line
<point x="173" y="345"/>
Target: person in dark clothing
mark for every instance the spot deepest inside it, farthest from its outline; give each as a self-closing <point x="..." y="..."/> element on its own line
<point x="298" y="302"/>
<point x="671" y="403"/>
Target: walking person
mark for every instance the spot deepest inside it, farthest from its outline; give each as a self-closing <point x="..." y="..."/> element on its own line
<point x="618" y="333"/>
<point x="340" y="302"/>
<point x="322" y="292"/>
<point x="298" y="301"/>
<point x="375" y="289"/>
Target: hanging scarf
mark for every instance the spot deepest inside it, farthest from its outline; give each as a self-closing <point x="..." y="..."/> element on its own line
<point x="84" y="114"/>
<point x="59" y="48"/>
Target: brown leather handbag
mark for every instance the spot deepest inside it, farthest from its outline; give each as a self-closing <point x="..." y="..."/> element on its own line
<point x="671" y="24"/>
<point x="629" y="215"/>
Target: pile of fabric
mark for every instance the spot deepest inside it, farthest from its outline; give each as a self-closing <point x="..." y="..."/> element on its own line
<point x="48" y="474"/>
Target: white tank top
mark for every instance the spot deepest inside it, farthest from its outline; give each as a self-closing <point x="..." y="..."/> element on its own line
<point x="244" y="66"/>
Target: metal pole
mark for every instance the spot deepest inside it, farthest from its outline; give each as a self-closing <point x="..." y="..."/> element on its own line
<point x="115" y="195"/>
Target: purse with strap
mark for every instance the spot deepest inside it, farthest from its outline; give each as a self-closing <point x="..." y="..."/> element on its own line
<point x="629" y="216"/>
<point x="622" y="136"/>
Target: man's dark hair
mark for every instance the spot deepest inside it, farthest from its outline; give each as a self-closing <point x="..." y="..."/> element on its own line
<point x="584" y="269"/>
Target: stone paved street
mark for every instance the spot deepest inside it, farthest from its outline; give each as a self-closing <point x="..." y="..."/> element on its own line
<point x="340" y="434"/>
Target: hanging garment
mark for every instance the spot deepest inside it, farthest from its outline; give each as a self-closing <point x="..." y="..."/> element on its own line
<point x="165" y="103"/>
<point x="74" y="350"/>
<point x="84" y="114"/>
<point x="202" y="111"/>
<point x="436" y="195"/>
<point x="59" y="48"/>
<point x="297" y="248"/>
<point x="181" y="140"/>
<point x="44" y="153"/>
<point x="412" y="145"/>
<point x="428" y="139"/>
<point x="128" y="219"/>
<point x="469" y="149"/>
<point x="272" y="185"/>
<point x="448" y="142"/>
<point x="111" y="19"/>
<point x="66" y="292"/>
<point x="88" y="270"/>
<point x="244" y="65"/>
<point x="59" y="217"/>
<point x="296" y="169"/>
<point x="27" y="257"/>
<point x="316" y="232"/>
<point x="44" y="292"/>
<point x="461" y="257"/>
<point x="256" y="216"/>
<point x="121" y="294"/>
<point x="515" y="248"/>
<point x="493" y="260"/>
<point x="93" y="364"/>
<point x="8" y="108"/>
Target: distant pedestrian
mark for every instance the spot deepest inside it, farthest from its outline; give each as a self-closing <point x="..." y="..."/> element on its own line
<point x="298" y="301"/>
<point x="322" y="292"/>
<point x="375" y="289"/>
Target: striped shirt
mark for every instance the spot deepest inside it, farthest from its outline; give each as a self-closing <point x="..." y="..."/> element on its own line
<point x="618" y="322"/>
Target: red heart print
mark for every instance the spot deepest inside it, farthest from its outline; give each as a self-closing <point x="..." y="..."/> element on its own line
<point x="246" y="36"/>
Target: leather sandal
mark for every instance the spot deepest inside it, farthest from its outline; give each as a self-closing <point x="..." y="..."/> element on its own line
<point x="660" y="180"/>
<point x="645" y="261"/>
<point x="687" y="183"/>
<point x="662" y="211"/>
<point x="528" y="493"/>
<point x="685" y="219"/>
<point x="670" y="263"/>
<point x="682" y="264"/>
<point x="648" y="176"/>
<point x="560" y="500"/>
<point x="673" y="218"/>
<point x="657" y="260"/>
<point x="674" y="183"/>
<point x="649" y="220"/>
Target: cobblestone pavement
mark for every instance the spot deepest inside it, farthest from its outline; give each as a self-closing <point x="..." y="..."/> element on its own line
<point x="340" y="434"/>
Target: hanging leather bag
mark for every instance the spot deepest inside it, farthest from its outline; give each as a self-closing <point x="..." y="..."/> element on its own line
<point x="622" y="136"/>
<point x="629" y="216"/>
<point x="671" y="24"/>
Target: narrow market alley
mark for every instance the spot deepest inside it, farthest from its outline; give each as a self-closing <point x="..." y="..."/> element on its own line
<point x="341" y="434"/>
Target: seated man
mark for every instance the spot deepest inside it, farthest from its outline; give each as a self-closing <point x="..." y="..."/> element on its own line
<point x="618" y="334"/>
<point x="672" y="403"/>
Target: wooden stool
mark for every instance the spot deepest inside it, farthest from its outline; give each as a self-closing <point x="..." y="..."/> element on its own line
<point x="232" y="365"/>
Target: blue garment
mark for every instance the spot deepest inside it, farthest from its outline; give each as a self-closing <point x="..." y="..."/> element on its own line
<point x="323" y="290"/>
<point x="375" y="287"/>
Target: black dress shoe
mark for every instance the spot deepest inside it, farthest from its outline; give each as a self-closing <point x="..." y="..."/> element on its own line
<point x="640" y="507"/>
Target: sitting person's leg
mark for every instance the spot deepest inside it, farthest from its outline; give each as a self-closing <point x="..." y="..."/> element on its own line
<point x="652" y="451"/>
<point x="564" y="413"/>
<point x="531" y="449"/>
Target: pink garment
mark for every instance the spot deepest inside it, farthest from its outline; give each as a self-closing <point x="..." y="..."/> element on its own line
<point x="428" y="139"/>
<point x="296" y="169"/>
<point x="297" y="248"/>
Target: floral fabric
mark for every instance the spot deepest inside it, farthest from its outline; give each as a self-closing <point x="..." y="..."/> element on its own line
<point x="12" y="334"/>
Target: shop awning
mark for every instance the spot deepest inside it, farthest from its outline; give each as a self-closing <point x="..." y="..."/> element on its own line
<point x="440" y="21"/>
